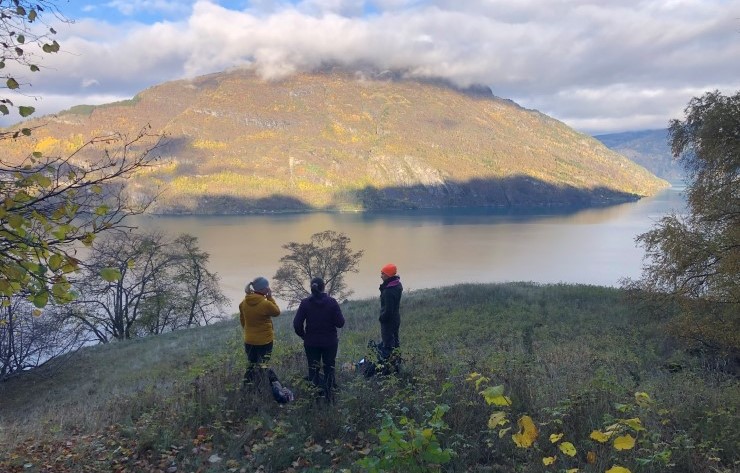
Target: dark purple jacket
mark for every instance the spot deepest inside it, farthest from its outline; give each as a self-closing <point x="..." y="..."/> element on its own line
<point x="317" y="320"/>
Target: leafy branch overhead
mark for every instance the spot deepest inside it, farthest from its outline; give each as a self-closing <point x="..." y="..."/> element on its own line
<point x="51" y="205"/>
<point x="24" y="35"/>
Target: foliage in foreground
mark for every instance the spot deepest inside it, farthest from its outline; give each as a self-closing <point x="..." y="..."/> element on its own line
<point x="572" y="360"/>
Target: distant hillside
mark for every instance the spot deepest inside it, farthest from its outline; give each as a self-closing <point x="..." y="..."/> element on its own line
<point x="648" y="148"/>
<point x="343" y="141"/>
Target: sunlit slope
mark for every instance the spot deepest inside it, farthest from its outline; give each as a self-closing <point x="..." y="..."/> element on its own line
<point x="344" y="141"/>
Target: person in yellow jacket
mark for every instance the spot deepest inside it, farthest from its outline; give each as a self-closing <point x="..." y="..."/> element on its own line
<point x="255" y="314"/>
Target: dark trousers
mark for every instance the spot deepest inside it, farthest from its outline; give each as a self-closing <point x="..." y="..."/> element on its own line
<point x="257" y="358"/>
<point x="317" y="358"/>
<point x="389" y="335"/>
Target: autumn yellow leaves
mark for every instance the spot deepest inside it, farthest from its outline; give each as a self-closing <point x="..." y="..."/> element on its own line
<point x="621" y="434"/>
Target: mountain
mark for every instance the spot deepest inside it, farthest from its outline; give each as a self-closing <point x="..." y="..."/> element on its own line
<point x="349" y="141"/>
<point x="648" y="148"/>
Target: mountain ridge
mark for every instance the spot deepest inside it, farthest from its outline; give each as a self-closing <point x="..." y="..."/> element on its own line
<point x="648" y="148"/>
<point x="343" y="141"/>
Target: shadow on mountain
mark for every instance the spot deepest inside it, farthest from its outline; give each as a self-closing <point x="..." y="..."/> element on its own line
<point x="229" y="205"/>
<point x="517" y="195"/>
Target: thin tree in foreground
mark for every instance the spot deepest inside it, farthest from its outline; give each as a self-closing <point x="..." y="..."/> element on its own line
<point x="327" y="255"/>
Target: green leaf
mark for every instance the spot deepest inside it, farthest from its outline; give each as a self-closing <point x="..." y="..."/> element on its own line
<point x="110" y="274"/>
<point x="56" y="261"/>
<point x="19" y="51"/>
<point x="88" y="239"/>
<point x="34" y="68"/>
<point x="16" y="221"/>
<point x="25" y="111"/>
<point x="51" y="48"/>
<point x="101" y="211"/>
<point x="40" y="299"/>
<point x="495" y="395"/>
<point x="32" y="15"/>
<point x="4" y="109"/>
<point x="21" y="39"/>
<point x="42" y="180"/>
<point x="26" y="131"/>
<point x="12" y="83"/>
<point x="96" y="189"/>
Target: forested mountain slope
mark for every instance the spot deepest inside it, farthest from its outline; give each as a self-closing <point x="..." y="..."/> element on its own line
<point x="347" y="141"/>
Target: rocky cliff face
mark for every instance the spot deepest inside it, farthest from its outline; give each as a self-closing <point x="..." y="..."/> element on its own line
<point x="343" y="141"/>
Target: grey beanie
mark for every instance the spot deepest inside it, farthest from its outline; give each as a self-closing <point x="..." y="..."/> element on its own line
<point x="259" y="284"/>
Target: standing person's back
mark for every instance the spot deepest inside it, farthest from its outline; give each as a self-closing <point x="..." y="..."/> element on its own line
<point x="316" y="321"/>
<point x="255" y="315"/>
<point x="390" y="308"/>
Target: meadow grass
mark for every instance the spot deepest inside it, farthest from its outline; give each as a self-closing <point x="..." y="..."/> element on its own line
<point x="570" y="357"/>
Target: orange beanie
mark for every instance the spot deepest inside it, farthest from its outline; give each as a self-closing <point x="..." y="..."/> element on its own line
<point x="389" y="269"/>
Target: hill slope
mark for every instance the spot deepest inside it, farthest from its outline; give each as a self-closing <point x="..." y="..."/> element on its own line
<point x="571" y="357"/>
<point x="648" y="148"/>
<point x="346" y="141"/>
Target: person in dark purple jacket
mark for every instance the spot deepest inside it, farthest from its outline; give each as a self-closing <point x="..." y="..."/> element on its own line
<point x="316" y="321"/>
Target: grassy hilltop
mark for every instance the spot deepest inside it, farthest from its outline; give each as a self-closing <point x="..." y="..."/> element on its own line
<point x="576" y="360"/>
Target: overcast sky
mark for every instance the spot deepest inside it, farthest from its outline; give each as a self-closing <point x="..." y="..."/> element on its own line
<point x="600" y="66"/>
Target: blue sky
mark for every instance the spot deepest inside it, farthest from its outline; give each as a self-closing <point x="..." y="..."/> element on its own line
<point x="598" y="65"/>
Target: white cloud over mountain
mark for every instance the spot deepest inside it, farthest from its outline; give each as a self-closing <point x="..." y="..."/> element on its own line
<point x="599" y="66"/>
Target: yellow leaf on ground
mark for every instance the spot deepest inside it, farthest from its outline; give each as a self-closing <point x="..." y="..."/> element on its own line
<point x="600" y="436"/>
<point x="642" y="399"/>
<point x="567" y="448"/>
<point x="635" y="423"/>
<point x="617" y="469"/>
<point x="555" y="437"/>
<point x="527" y="433"/>
<point x="624" y="442"/>
<point x="496" y="419"/>
<point x="548" y="460"/>
<point x="572" y="470"/>
<point x="591" y="457"/>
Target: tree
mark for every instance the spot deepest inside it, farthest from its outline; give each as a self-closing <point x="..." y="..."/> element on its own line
<point x="327" y="256"/>
<point x="27" y="341"/>
<point x="150" y="285"/>
<point x="696" y="258"/>
<point x="51" y="204"/>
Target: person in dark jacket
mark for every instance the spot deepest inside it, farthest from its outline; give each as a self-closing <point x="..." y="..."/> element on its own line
<point x="390" y="304"/>
<point x="316" y="321"/>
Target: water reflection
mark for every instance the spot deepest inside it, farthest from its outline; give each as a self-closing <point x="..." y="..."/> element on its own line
<point x="431" y="249"/>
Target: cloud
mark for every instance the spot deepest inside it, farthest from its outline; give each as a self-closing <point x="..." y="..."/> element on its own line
<point x="597" y="65"/>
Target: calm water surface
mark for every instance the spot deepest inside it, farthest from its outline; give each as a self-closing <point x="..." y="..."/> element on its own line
<point x="439" y="248"/>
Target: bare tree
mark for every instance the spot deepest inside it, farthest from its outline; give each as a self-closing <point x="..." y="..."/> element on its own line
<point x="327" y="255"/>
<point x="150" y="285"/>
<point x="27" y="341"/>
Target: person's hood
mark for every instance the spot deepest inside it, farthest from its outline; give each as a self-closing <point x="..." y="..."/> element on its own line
<point x="254" y="299"/>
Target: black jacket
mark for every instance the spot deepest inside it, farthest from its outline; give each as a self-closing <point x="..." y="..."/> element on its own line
<point x="317" y="320"/>
<point x="390" y="301"/>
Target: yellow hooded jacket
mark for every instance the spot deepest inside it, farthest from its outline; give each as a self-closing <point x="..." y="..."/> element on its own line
<point x="255" y="314"/>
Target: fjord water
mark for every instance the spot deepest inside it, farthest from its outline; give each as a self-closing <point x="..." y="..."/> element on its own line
<point x="438" y="248"/>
